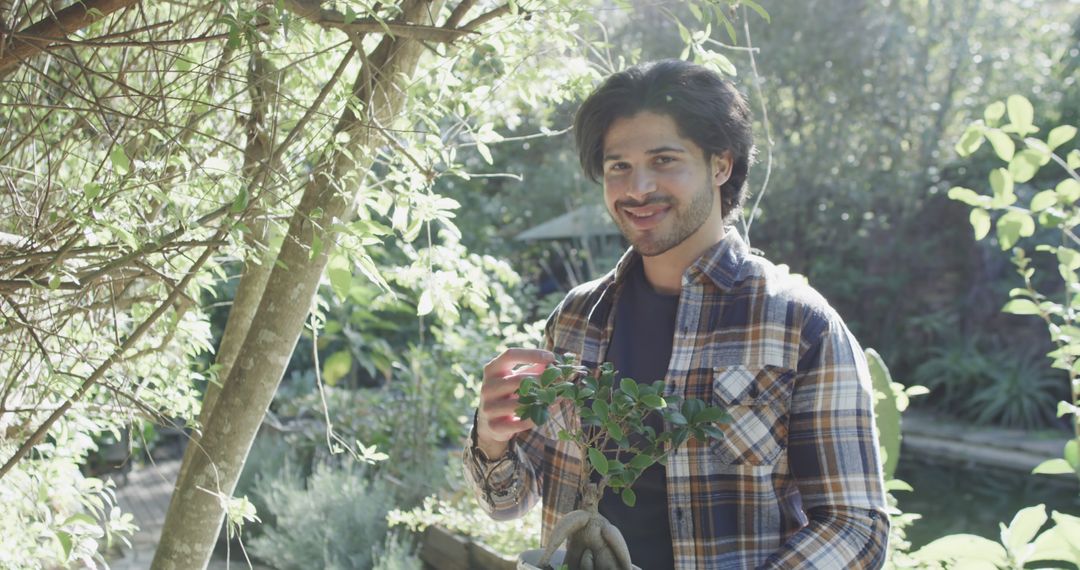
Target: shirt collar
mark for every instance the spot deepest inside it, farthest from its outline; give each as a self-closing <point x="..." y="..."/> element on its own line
<point x="721" y="263"/>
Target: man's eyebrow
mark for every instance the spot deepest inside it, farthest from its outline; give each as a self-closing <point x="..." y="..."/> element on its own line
<point x="651" y="151"/>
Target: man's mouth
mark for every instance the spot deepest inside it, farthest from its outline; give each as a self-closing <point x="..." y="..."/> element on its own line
<point x="644" y="217"/>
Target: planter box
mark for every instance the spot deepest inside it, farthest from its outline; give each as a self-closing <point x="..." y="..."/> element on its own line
<point x="441" y="549"/>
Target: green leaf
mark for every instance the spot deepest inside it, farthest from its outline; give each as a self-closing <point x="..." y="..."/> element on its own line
<point x="898" y="485"/>
<point x="676" y="418"/>
<point x="1053" y="467"/>
<point x="628" y="386"/>
<point x="709" y="415"/>
<point x="1002" y="184"/>
<point x="1025" y="164"/>
<point x="1068" y="190"/>
<point x="91" y="190"/>
<point x="240" y="203"/>
<point x="339" y="271"/>
<point x="1021" y="307"/>
<point x="549" y="375"/>
<point x="599" y="462"/>
<point x="1043" y="200"/>
<point x="980" y="221"/>
<point x="1012" y="226"/>
<point x="968" y="196"/>
<point x="1072" y="454"/>
<point x="485" y="152"/>
<point x="629" y="497"/>
<point x="120" y="161"/>
<point x="600" y="408"/>
<point x="1021" y="113"/>
<point x="757" y="8"/>
<point x="971" y="140"/>
<point x="653" y="401"/>
<point x="962" y="547"/>
<point x="994" y="112"/>
<point x="64" y="538"/>
<point x="641" y="461"/>
<point x="1073" y="160"/>
<point x="1064" y="408"/>
<point x="1023" y="528"/>
<point x="425" y="304"/>
<point x="1003" y="144"/>
<point x="80" y="517"/>
<point x="1060" y="135"/>
<point x="1052" y="545"/>
<point x="336" y="367"/>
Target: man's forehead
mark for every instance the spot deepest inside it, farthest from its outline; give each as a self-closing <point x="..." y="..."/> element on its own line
<point x="644" y="132"/>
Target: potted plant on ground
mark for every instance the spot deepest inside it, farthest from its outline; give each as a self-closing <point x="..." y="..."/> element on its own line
<point x="618" y="446"/>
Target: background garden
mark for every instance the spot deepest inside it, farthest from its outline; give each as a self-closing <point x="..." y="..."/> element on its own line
<point x="179" y="179"/>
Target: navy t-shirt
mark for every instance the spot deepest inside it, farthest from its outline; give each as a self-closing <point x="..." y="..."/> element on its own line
<point x="640" y="349"/>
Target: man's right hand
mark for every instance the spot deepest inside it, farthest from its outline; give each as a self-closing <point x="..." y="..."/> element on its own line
<point x="496" y="423"/>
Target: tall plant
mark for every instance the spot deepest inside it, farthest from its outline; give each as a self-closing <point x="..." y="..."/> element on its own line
<point x="1007" y="125"/>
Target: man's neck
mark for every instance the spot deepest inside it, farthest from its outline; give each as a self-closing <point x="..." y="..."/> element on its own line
<point x="664" y="272"/>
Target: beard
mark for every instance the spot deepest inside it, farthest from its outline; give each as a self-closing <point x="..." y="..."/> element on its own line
<point x="683" y="219"/>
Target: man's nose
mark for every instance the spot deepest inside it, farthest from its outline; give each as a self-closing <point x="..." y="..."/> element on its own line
<point x="642" y="183"/>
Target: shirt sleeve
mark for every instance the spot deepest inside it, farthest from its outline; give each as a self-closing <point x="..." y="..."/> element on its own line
<point x="833" y="454"/>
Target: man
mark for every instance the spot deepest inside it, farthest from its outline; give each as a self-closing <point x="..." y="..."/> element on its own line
<point x="796" y="482"/>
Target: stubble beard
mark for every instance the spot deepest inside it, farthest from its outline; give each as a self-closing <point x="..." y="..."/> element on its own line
<point x="686" y="218"/>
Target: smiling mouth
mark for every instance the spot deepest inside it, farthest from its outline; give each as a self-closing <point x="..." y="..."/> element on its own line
<point x="645" y="213"/>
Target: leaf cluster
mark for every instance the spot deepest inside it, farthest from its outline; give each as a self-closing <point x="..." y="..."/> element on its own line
<point x="612" y="413"/>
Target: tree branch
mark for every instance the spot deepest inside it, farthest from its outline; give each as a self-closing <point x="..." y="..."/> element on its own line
<point x="333" y="19"/>
<point x="485" y="18"/>
<point x="70" y="19"/>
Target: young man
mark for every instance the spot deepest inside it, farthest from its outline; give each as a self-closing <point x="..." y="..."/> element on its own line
<point x="796" y="482"/>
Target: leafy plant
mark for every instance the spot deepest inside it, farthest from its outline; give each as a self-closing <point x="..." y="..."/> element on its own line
<point x="336" y="519"/>
<point x="1056" y="210"/>
<point x="612" y="417"/>
<point x="1021" y="543"/>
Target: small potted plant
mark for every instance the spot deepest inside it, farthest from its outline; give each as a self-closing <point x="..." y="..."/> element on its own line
<point x="619" y="446"/>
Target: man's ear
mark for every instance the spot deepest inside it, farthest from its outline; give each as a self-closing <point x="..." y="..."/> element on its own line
<point x="722" y="164"/>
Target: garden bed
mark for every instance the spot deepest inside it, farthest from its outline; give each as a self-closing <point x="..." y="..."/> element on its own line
<point x="441" y="549"/>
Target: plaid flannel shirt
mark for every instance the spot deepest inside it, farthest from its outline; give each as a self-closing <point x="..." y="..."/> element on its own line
<point x="797" y="480"/>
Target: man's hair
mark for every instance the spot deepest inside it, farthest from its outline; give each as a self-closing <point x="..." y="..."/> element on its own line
<point x="706" y="108"/>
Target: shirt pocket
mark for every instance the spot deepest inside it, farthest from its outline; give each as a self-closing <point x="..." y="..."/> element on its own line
<point x="758" y="399"/>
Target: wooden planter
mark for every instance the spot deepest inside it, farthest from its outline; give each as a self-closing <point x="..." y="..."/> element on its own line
<point x="441" y="549"/>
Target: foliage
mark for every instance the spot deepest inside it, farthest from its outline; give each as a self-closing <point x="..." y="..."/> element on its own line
<point x="983" y="384"/>
<point x="1021" y="543"/>
<point x="463" y="515"/>
<point x="337" y="519"/>
<point x="1054" y="210"/>
<point x="890" y="400"/>
<point x="52" y="512"/>
<point x="616" y="414"/>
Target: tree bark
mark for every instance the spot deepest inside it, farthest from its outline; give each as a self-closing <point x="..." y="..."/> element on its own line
<point x="198" y="503"/>
<point x="77" y="16"/>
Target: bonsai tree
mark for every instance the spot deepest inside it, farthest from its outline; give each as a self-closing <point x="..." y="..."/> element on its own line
<point x="612" y="421"/>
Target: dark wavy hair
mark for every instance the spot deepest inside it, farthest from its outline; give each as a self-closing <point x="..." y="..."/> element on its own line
<point x="706" y="108"/>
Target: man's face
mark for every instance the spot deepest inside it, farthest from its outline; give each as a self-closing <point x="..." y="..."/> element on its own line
<point x="659" y="188"/>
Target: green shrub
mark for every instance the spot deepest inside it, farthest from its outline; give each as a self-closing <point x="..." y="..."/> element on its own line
<point x="336" y="520"/>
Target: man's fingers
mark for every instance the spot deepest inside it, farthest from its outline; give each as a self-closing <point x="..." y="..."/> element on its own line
<point x="501" y="387"/>
<point x="510" y="358"/>
<point x="506" y="427"/>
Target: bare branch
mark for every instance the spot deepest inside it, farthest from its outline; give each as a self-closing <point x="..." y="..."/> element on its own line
<point x="485" y="18"/>
<point x="333" y="19"/>
<point x="70" y="19"/>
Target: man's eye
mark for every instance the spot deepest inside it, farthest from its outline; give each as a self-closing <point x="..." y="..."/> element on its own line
<point x="615" y="166"/>
<point x="665" y="159"/>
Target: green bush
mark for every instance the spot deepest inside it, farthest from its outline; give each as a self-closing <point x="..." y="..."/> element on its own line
<point x="336" y="520"/>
